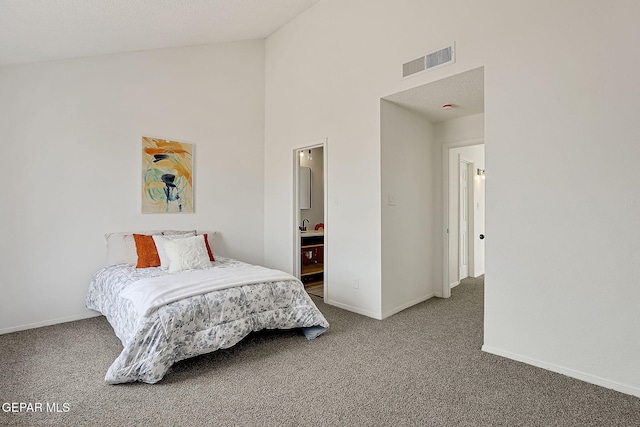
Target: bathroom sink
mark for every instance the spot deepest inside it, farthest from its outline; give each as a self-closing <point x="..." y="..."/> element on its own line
<point x="309" y="233"/>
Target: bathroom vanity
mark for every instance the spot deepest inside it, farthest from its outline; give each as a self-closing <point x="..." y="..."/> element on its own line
<point x="312" y="258"/>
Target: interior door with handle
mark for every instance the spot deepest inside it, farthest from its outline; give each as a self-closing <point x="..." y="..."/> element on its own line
<point x="463" y="207"/>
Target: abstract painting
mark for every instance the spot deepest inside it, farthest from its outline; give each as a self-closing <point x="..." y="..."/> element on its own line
<point x="167" y="176"/>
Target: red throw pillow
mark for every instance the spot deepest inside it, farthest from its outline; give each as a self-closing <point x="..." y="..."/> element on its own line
<point x="147" y="252"/>
<point x="206" y="242"/>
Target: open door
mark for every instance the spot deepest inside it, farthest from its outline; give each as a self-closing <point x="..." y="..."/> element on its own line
<point x="465" y="217"/>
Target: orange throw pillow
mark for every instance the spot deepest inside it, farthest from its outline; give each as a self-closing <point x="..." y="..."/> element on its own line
<point x="147" y="252"/>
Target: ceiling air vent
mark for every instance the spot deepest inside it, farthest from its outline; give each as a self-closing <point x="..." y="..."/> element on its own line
<point x="431" y="60"/>
<point x="413" y="67"/>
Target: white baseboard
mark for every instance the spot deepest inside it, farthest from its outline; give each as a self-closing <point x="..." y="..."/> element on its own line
<point x="353" y="309"/>
<point x="376" y="315"/>
<point x="582" y="376"/>
<point x="50" y="322"/>
<point x="407" y="305"/>
<point x="454" y="284"/>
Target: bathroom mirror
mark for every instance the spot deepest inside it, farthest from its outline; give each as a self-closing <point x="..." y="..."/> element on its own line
<point x="304" y="189"/>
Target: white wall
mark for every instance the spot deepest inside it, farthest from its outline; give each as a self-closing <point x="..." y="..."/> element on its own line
<point x="71" y="142"/>
<point x="468" y="130"/>
<point x="562" y="256"/>
<point x="411" y="171"/>
<point x="310" y="95"/>
<point x="561" y="148"/>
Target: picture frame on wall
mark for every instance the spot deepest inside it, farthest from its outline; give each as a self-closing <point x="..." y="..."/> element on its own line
<point x="167" y="176"/>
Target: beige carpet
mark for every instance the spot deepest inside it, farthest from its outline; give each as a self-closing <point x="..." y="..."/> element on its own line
<point x="421" y="367"/>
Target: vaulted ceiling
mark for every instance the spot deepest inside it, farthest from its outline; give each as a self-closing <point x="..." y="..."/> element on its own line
<point x="35" y="31"/>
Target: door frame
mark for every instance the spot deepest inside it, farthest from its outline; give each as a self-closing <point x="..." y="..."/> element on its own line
<point x="296" y="208"/>
<point x="445" y="290"/>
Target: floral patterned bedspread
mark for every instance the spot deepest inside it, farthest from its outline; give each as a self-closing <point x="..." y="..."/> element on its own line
<point x="194" y="325"/>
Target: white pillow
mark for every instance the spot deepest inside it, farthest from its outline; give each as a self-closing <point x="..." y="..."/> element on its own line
<point x="186" y="254"/>
<point x="162" y="253"/>
<point x="178" y="232"/>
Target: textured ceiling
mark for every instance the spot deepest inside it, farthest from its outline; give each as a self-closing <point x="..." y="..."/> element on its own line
<point x="37" y="30"/>
<point x="464" y="91"/>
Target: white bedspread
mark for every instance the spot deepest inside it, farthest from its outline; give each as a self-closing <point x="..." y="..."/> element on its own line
<point x="150" y="293"/>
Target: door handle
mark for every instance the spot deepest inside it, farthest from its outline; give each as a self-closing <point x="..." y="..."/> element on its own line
<point x="482" y="237"/>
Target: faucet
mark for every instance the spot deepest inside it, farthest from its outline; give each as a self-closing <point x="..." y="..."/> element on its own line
<point x="303" y="228"/>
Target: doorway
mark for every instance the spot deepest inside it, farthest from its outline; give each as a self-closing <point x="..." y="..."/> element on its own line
<point x="310" y="217"/>
<point x="464" y="189"/>
<point x="454" y="108"/>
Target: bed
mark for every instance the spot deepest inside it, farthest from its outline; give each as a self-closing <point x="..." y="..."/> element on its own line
<point x="162" y="316"/>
